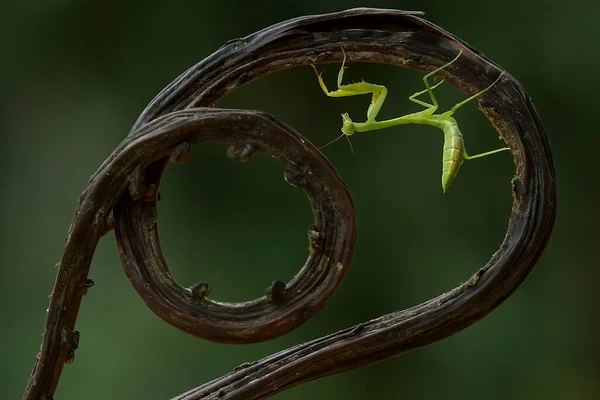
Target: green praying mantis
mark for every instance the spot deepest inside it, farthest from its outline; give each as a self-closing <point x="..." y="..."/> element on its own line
<point x="454" y="152"/>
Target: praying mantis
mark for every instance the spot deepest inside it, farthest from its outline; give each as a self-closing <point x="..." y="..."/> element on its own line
<point x="454" y="152"/>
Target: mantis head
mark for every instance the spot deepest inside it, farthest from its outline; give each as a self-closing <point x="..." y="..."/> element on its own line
<point x="348" y="125"/>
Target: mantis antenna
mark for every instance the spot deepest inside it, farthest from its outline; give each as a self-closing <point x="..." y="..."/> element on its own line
<point x="338" y="138"/>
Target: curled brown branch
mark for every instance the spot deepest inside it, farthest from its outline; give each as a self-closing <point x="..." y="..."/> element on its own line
<point x="128" y="183"/>
<point x="285" y="306"/>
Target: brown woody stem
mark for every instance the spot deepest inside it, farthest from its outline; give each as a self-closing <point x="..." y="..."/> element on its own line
<point x="128" y="182"/>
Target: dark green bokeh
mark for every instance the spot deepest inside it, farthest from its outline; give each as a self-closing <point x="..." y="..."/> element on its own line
<point x="76" y="74"/>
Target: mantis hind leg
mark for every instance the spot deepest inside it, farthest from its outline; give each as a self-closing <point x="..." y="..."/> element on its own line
<point x="487" y="153"/>
<point x="465" y="101"/>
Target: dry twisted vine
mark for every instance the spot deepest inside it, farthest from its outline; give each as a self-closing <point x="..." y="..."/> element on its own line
<point x="128" y="181"/>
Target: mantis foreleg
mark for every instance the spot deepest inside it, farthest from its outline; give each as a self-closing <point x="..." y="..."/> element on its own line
<point x="379" y="92"/>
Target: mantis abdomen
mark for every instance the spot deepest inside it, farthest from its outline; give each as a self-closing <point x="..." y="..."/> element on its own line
<point x="453" y="155"/>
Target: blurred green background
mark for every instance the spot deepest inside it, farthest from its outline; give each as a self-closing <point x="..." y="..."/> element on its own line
<point x="75" y="76"/>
